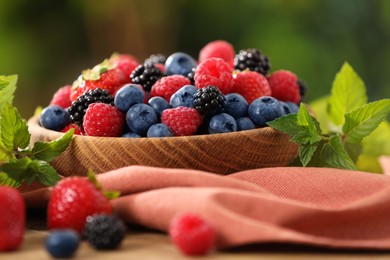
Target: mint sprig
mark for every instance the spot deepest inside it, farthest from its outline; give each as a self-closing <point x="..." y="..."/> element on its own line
<point x="18" y="162"/>
<point x="349" y="119"/>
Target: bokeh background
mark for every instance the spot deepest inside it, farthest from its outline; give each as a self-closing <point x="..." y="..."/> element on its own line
<point x="48" y="43"/>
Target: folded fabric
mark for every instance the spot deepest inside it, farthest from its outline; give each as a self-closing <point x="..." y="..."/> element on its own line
<point x="312" y="206"/>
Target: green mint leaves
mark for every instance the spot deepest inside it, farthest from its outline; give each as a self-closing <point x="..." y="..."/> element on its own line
<point x="348" y="117"/>
<point x="19" y="163"/>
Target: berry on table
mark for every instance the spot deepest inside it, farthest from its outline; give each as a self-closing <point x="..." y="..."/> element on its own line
<point x="62" y="97"/>
<point x="218" y="49"/>
<point x="253" y="60"/>
<point x="290" y="107"/>
<point x="284" y="86"/>
<point x="155" y="59"/>
<point x="179" y="63"/>
<point x="104" y="232"/>
<point x="124" y="63"/>
<point x="167" y="86"/>
<point x="62" y="243"/>
<point x="127" y="96"/>
<point x="184" y="96"/>
<point x="222" y="123"/>
<point x="130" y="135"/>
<point x="251" y="85"/>
<point x="146" y="75"/>
<point x="54" y="118"/>
<point x="244" y="123"/>
<point x="140" y="117"/>
<point x="182" y="120"/>
<point x="192" y="234"/>
<point x="159" y="130"/>
<point x="265" y="109"/>
<point x="159" y="104"/>
<point x="209" y="101"/>
<point x="236" y="105"/>
<point x="77" y="129"/>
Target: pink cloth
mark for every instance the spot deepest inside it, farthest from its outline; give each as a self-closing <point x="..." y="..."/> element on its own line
<point x="313" y="206"/>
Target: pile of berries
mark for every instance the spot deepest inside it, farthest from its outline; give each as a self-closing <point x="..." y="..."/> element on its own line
<point x="223" y="91"/>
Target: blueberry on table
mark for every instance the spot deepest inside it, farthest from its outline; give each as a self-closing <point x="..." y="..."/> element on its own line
<point x="159" y="130"/>
<point x="159" y="104"/>
<point x="222" y="123"/>
<point x="179" y="63"/>
<point x="127" y="96"/>
<point x="140" y="117"/>
<point x="62" y="243"/>
<point x="265" y="109"/>
<point x="236" y="105"/>
<point x="184" y="96"/>
<point x="244" y="123"/>
<point x="54" y="118"/>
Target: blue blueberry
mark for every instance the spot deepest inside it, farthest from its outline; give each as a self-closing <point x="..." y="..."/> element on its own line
<point x="244" y="123"/>
<point x="222" y="123"/>
<point x="140" y="117"/>
<point x="179" y="63"/>
<point x="265" y="109"/>
<point x="62" y="243"/>
<point x="236" y="105"/>
<point x="159" y="104"/>
<point x="184" y="96"/>
<point x="159" y="130"/>
<point x="127" y="96"/>
<point x="54" y="118"/>
<point x="289" y="107"/>
<point x="131" y="135"/>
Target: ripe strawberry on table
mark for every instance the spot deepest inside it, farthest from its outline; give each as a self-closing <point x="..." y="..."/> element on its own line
<point x="74" y="199"/>
<point x="12" y="218"/>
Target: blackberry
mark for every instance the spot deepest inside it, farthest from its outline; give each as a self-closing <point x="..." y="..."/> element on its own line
<point x="155" y="58"/>
<point x="146" y="75"/>
<point x="79" y="107"/>
<point x="209" y="101"/>
<point x="191" y="75"/>
<point x="253" y="60"/>
<point x="104" y="231"/>
<point x="302" y="88"/>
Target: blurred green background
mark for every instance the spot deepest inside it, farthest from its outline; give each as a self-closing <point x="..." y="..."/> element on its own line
<point x="48" y="43"/>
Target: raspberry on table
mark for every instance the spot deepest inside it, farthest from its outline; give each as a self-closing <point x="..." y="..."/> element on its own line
<point x="182" y="120"/>
<point x="103" y="120"/>
<point x="209" y="101"/>
<point x="77" y="129"/>
<point x="253" y="60"/>
<point x="218" y="49"/>
<point x="214" y="72"/>
<point x="192" y="234"/>
<point x="146" y="75"/>
<point x="62" y="97"/>
<point x="251" y="85"/>
<point x="284" y="86"/>
<point x="167" y="86"/>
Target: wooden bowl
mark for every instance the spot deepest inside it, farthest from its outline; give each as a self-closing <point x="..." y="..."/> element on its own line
<point x="217" y="153"/>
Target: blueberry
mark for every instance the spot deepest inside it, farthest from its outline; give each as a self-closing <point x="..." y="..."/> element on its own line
<point x="236" y="105"/>
<point x="62" y="243"/>
<point x="222" y="123"/>
<point x="131" y="135"/>
<point x="264" y="109"/>
<point x="127" y="96"/>
<point x="184" y="96"/>
<point x="159" y="104"/>
<point x="244" y="123"/>
<point x="159" y="130"/>
<point x="179" y="63"/>
<point x="140" y="117"/>
<point x="54" y="118"/>
<point x="289" y="107"/>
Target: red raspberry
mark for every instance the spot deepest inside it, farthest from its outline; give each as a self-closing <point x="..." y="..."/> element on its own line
<point x="218" y="49"/>
<point x="62" y="97"/>
<point x="167" y="86"/>
<point x="214" y="72"/>
<point x="251" y="85"/>
<point x="12" y="218"/>
<point x="77" y="129"/>
<point x="182" y="120"/>
<point x="192" y="234"/>
<point x="284" y="86"/>
<point x="124" y="62"/>
<point x="103" y="120"/>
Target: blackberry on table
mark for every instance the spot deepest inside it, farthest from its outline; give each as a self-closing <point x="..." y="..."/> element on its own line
<point x="253" y="60"/>
<point x="79" y="107"/>
<point x="209" y="101"/>
<point x="104" y="231"/>
<point x="155" y="58"/>
<point x="191" y="75"/>
<point x="146" y="75"/>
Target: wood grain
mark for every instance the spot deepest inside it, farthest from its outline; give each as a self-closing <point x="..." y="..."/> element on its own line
<point x="218" y="153"/>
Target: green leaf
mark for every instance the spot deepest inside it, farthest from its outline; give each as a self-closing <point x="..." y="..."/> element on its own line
<point x="14" y="129"/>
<point x="334" y="154"/>
<point x="16" y="169"/>
<point x="5" y="154"/>
<point x="7" y="181"/>
<point x="7" y="89"/>
<point x="306" y="152"/>
<point x="305" y="137"/>
<point x="48" y="151"/>
<point x="286" y="124"/>
<point x="43" y="172"/>
<point x="348" y="93"/>
<point x="362" y="121"/>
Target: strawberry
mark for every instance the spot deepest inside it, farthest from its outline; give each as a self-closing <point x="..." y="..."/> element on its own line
<point x="74" y="199"/>
<point x="12" y="218"/>
<point x="124" y="62"/>
<point x="251" y="85"/>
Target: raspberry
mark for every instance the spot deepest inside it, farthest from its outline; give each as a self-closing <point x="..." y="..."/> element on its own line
<point x="146" y="75"/>
<point x="251" y="85"/>
<point x="192" y="234"/>
<point x="218" y="49"/>
<point x="77" y="130"/>
<point x="167" y="86"/>
<point x="103" y="120"/>
<point x="62" y="97"/>
<point x="214" y="72"/>
<point x="253" y="60"/>
<point x="209" y="101"/>
<point x="125" y="63"/>
<point x="284" y="86"/>
<point x="182" y="120"/>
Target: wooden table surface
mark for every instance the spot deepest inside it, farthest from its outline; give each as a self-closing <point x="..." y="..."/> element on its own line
<point x="146" y="244"/>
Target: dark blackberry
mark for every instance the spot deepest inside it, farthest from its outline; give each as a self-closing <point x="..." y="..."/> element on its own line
<point x="253" y="60"/>
<point x="146" y="75"/>
<point x="302" y="88"/>
<point x="155" y="58"/>
<point x="79" y="107"/>
<point x="191" y="75"/>
<point x="104" y="231"/>
<point x="209" y="101"/>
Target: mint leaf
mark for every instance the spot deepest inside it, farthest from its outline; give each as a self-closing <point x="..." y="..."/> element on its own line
<point x="14" y="130"/>
<point x="306" y="152"/>
<point x="286" y="124"/>
<point x="5" y="154"/>
<point x="334" y="154"/>
<point x="7" y="89"/>
<point x="43" y="172"/>
<point x="348" y="93"/>
<point x="48" y="151"/>
<point x="308" y="122"/>
<point x="7" y="181"/>
<point x="362" y="121"/>
<point x="16" y="169"/>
